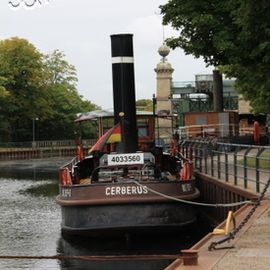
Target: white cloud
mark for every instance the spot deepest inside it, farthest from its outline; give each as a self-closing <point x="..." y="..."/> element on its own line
<point x="82" y="30"/>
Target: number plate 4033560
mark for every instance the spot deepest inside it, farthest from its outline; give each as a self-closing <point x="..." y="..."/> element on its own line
<point x="125" y="159"/>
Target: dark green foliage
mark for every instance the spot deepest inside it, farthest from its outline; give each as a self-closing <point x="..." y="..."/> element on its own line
<point x="232" y="35"/>
<point x="40" y="87"/>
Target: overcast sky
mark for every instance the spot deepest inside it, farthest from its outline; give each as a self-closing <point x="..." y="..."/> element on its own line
<point x="82" y="29"/>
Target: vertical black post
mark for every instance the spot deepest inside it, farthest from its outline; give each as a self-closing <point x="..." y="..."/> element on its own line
<point x="217" y="91"/>
<point x="226" y="167"/>
<point x="124" y="88"/>
<point x="235" y="166"/>
<point x="154" y="99"/>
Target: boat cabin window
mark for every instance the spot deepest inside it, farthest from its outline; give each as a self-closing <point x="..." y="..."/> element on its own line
<point x="107" y="124"/>
<point x="143" y="129"/>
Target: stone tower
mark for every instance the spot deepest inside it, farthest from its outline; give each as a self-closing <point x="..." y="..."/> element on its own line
<point x="164" y="72"/>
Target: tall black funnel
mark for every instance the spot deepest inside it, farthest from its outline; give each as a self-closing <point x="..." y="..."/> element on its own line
<point x="124" y="89"/>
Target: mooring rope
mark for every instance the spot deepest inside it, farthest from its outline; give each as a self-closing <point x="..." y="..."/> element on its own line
<point x="216" y="205"/>
<point x="96" y="258"/>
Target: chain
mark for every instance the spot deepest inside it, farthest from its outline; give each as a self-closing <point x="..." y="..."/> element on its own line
<point x="232" y="234"/>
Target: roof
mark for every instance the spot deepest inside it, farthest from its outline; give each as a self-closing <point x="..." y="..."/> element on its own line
<point x="103" y="114"/>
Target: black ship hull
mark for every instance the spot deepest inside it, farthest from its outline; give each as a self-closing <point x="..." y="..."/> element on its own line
<point x="129" y="207"/>
<point x="116" y="220"/>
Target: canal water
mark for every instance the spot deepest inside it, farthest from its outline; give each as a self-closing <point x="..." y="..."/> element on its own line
<point x="30" y="226"/>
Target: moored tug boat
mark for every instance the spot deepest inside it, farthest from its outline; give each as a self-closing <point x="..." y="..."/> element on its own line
<point x="126" y="184"/>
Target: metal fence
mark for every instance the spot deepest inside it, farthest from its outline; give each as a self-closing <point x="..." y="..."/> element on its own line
<point x="217" y="130"/>
<point x="41" y="149"/>
<point x="46" y="144"/>
<point x="247" y="166"/>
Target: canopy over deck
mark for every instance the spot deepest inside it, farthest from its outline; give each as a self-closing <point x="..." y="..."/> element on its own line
<point x="104" y="114"/>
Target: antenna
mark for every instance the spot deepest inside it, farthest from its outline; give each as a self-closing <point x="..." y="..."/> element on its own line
<point x="163" y="33"/>
<point x="163" y="27"/>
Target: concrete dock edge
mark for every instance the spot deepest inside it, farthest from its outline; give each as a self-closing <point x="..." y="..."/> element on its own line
<point x="230" y="254"/>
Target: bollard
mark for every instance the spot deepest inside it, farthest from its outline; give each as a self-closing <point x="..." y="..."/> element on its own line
<point x="189" y="256"/>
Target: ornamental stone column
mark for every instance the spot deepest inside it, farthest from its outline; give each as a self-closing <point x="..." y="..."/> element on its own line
<point x="164" y="72"/>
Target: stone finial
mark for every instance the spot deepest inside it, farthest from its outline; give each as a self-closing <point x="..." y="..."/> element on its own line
<point x="163" y="51"/>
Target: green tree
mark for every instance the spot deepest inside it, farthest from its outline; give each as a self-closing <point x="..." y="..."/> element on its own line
<point x="144" y="104"/>
<point x="61" y="72"/>
<point x="206" y="28"/>
<point x="22" y="78"/>
<point x="64" y="99"/>
<point x="4" y="125"/>
<point x="37" y="86"/>
<point x="233" y="35"/>
<point x="252" y="65"/>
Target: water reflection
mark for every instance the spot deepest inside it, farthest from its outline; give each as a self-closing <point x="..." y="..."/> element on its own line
<point x="30" y="225"/>
<point x="29" y="216"/>
<point x="89" y="246"/>
<point x="35" y="169"/>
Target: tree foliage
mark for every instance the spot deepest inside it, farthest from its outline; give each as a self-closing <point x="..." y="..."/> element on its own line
<point x="64" y="98"/>
<point x="233" y="35"/>
<point x="21" y="68"/>
<point x="144" y="104"/>
<point x="35" y="86"/>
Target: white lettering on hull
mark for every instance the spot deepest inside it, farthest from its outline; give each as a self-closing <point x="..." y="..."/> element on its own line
<point x="126" y="190"/>
<point x="66" y="192"/>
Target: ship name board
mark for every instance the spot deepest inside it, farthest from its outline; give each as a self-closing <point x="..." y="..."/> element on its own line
<point x="126" y="190"/>
<point x="125" y="159"/>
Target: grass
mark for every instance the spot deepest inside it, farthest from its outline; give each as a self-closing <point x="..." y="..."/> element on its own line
<point x="264" y="161"/>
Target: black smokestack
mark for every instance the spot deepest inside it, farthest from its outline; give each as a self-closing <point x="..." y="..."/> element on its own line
<point x="124" y="88"/>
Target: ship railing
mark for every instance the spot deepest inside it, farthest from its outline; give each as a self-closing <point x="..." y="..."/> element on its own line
<point x="66" y="172"/>
<point x="71" y="164"/>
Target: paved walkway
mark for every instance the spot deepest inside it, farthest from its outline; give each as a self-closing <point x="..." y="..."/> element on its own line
<point x="251" y="246"/>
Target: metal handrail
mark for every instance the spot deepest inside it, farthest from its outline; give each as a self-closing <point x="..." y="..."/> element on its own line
<point x="230" y="162"/>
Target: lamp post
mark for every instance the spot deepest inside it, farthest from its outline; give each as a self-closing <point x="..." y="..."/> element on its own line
<point x="34" y="131"/>
<point x="154" y="100"/>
